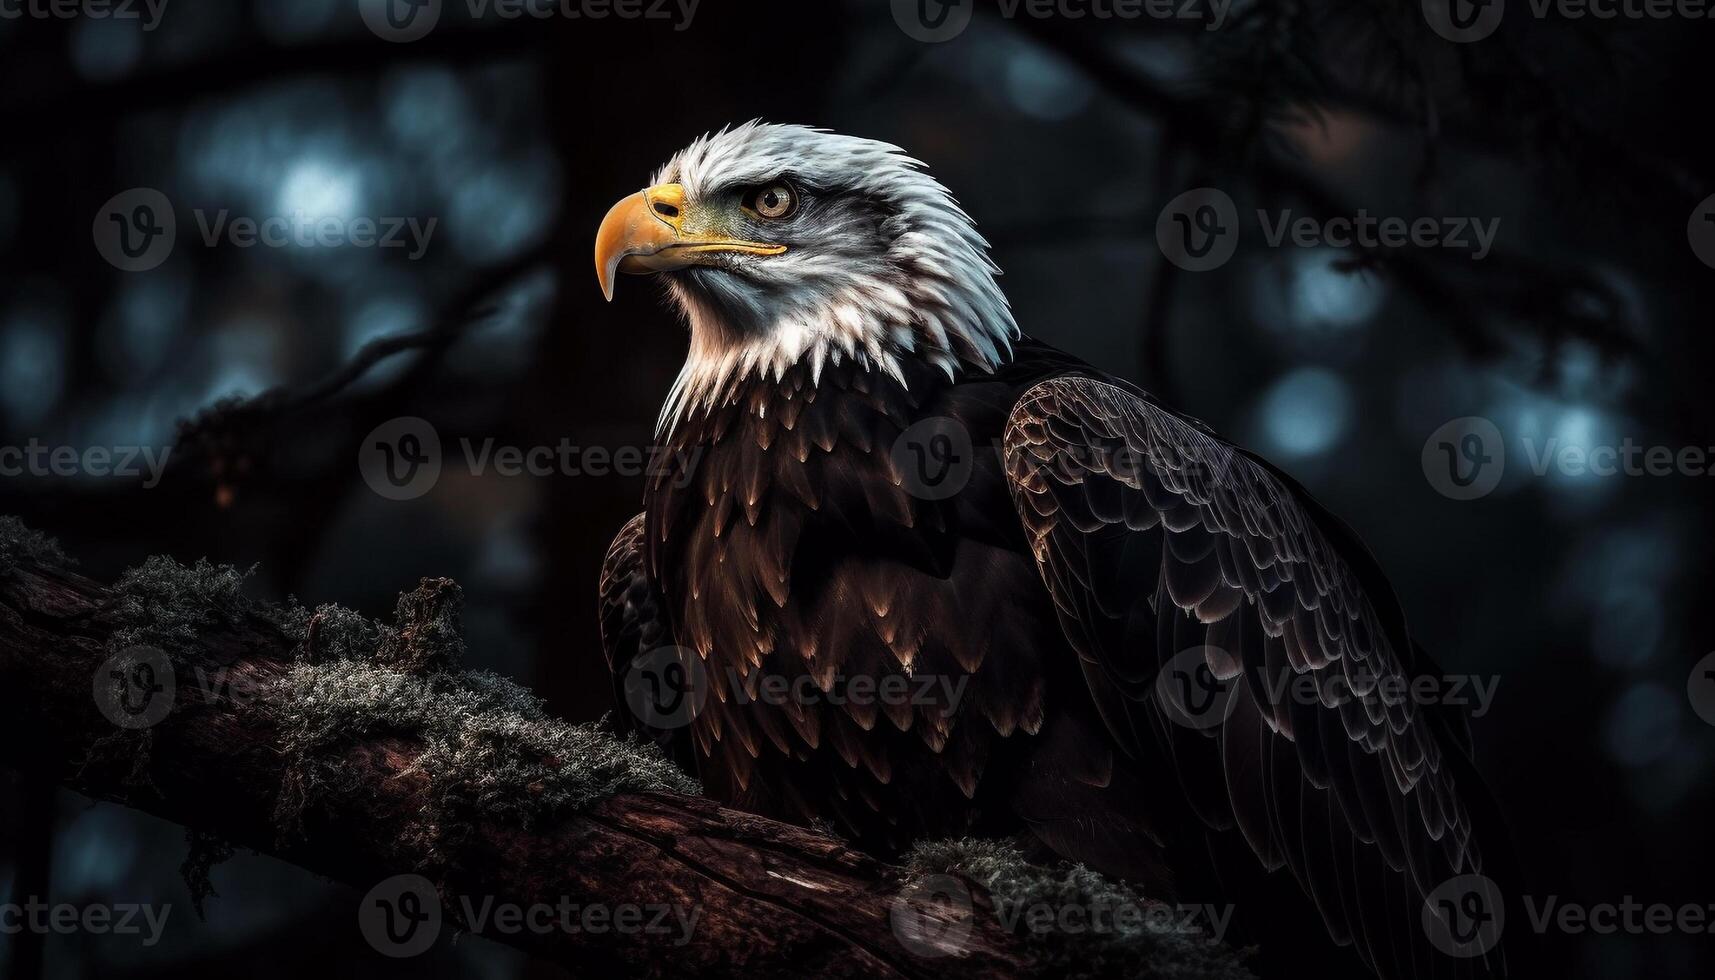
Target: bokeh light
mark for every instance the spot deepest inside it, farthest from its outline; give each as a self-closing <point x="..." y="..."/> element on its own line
<point x="1304" y="301"/>
<point x="103" y="49"/>
<point x="1044" y="86"/>
<point x="320" y="189"/>
<point x="1306" y="413"/>
<point x="1643" y="725"/>
<point x="32" y="366"/>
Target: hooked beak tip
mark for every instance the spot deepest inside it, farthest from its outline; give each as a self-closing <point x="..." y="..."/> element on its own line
<point x="628" y="228"/>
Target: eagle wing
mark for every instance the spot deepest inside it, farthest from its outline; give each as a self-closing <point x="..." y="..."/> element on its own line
<point x="1168" y="551"/>
<point x="633" y="626"/>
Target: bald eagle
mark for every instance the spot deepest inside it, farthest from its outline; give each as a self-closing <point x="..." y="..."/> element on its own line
<point x="1117" y="637"/>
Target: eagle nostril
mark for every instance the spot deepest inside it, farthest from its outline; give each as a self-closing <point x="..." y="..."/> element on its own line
<point x="666" y="210"/>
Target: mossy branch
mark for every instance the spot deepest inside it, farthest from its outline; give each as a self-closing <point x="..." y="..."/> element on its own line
<point x="360" y="750"/>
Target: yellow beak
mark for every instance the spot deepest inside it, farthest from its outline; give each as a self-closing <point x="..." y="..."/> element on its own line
<point x="646" y="233"/>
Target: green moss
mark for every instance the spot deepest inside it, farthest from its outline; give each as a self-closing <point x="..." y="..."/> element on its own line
<point x="171" y="607"/>
<point x="489" y="747"/>
<point x="490" y="751"/>
<point x="427" y="634"/>
<point x="1142" y="946"/>
<point x="20" y="545"/>
<point x="164" y="604"/>
<point x="333" y="633"/>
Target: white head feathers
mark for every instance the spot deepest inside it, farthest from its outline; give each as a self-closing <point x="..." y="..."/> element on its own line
<point x="882" y="265"/>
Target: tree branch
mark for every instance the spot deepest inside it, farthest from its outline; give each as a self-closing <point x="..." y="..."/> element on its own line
<point x="230" y="758"/>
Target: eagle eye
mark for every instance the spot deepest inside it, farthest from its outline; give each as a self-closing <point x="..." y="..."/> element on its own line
<point x="775" y="201"/>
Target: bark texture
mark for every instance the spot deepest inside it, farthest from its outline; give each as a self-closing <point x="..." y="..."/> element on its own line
<point x="770" y="899"/>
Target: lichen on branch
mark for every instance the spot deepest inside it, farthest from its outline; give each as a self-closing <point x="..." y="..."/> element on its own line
<point x="488" y="746"/>
<point x="489" y="750"/>
<point x="1104" y="944"/>
<point x="164" y="604"/>
<point x="20" y="544"/>
<point x="360" y="746"/>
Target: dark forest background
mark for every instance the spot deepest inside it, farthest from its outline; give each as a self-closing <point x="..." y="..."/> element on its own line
<point x="265" y="367"/>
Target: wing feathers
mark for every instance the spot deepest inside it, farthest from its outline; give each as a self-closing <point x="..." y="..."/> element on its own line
<point x="1323" y="766"/>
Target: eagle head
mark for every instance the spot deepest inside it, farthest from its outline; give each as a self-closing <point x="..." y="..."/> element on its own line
<point x="787" y="245"/>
